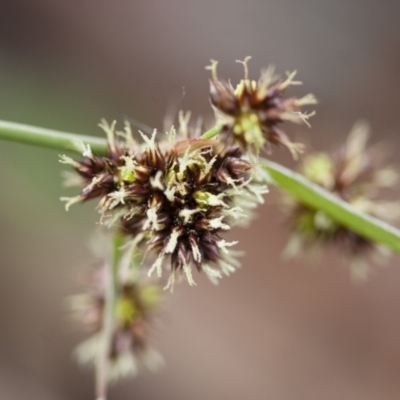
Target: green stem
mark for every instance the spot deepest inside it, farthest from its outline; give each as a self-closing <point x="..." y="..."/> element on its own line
<point x="212" y="132"/>
<point x="340" y="211"/>
<point x="103" y="362"/>
<point x="49" y="138"/>
<point x="59" y="140"/>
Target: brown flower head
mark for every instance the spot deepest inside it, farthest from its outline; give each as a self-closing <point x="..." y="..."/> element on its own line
<point x="251" y="113"/>
<point x="355" y="174"/>
<point x="175" y="199"/>
<point x="136" y="304"/>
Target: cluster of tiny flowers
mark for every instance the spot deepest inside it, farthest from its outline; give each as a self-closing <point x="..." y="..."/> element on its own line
<point x="136" y="304"/>
<point x="355" y="174"/>
<point x="251" y="113"/>
<point x="173" y="198"/>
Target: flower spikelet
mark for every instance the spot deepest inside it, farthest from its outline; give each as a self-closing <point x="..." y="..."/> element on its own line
<point x="173" y="199"/>
<point x="190" y="207"/>
<point x="355" y="174"/>
<point x="251" y="113"/>
<point x="136" y="304"/>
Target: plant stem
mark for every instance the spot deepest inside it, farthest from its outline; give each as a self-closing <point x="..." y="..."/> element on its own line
<point x="103" y="362"/>
<point x="49" y="138"/>
<point x="214" y="131"/>
<point x="59" y="140"/>
<point x="340" y="211"/>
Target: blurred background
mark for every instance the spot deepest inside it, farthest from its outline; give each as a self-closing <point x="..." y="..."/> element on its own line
<point x="275" y="329"/>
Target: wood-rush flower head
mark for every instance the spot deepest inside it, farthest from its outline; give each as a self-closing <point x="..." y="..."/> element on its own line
<point x="194" y="187"/>
<point x="353" y="173"/>
<point x="251" y="113"/>
<point x="136" y="304"/>
<point x="175" y="199"/>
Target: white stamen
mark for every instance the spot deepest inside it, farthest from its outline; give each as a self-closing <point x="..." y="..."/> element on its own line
<point x="186" y="214"/>
<point x="127" y="134"/>
<point x="171" y="282"/>
<point x="289" y="80"/>
<point x="216" y="223"/>
<point x="213" y="69"/>
<point x="245" y="66"/>
<point x="258" y="191"/>
<point x="195" y="251"/>
<point x="297" y="117"/>
<point x="173" y="240"/>
<point x="155" y="181"/>
<point x="93" y="183"/>
<point x="118" y="197"/>
<point x="181" y="188"/>
<point x="209" y="199"/>
<point x="235" y="212"/>
<point x="70" y="161"/>
<point x="171" y="137"/>
<point x="232" y="182"/>
<point x="207" y="165"/>
<point x="86" y="150"/>
<point x="184" y="119"/>
<point x="267" y="78"/>
<point x="157" y="266"/>
<point x="215" y="200"/>
<point x="152" y="218"/>
<point x="129" y="163"/>
<point x="132" y="212"/>
<point x="226" y="268"/>
<point x="149" y="141"/>
<point x="169" y="193"/>
<point x="223" y="244"/>
<point x="70" y="201"/>
<point x="110" y="131"/>
<point x="306" y="100"/>
<point x="188" y="271"/>
<point x="185" y="161"/>
<point x="212" y="272"/>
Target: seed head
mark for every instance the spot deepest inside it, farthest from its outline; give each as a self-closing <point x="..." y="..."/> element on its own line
<point x="355" y="174"/>
<point x="173" y="198"/>
<point x="251" y="113"/>
<point x="136" y="305"/>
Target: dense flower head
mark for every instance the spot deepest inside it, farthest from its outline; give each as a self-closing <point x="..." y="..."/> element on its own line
<point x="355" y="174"/>
<point x="251" y="113"/>
<point x="137" y="302"/>
<point x="174" y="198"/>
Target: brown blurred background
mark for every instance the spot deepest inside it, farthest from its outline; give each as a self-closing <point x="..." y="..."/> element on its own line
<point x="274" y="330"/>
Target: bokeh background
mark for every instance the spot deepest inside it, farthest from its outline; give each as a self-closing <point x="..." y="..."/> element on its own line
<point x="275" y="329"/>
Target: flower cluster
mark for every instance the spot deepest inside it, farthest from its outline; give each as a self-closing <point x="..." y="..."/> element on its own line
<point x="174" y="198"/>
<point x="135" y="306"/>
<point x="355" y="174"/>
<point x="251" y="113"/>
